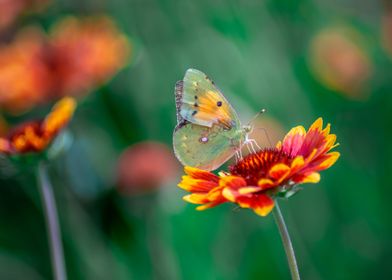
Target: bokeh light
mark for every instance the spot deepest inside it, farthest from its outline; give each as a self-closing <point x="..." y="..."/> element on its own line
<point x="145" y="167"/>
<point x="341" y="62"/>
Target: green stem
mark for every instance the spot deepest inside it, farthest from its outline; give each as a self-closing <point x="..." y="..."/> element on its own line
<point x="52" y="223"/>
<point x="288" y="247"/>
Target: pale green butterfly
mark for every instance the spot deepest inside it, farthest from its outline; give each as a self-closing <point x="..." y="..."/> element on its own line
<point x="208" y="130"/>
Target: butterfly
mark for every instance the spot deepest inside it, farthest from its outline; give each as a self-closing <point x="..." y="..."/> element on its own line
<point x="208" y="130"/>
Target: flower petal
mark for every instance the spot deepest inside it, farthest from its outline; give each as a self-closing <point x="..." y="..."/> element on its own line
<point x="196" y="185"/>
<point x="261" y="204"/>
<point x="311" y="178"/>
<point x="59" y="116"/>
<point x="279" y="172"/>
<point x="197" y="173"/>
<point x="326" y="130"/>
<point x="248" y="190"/>
<point x="332" y="158"/>
<point x="229" y="194"/>
<point x="297" y="163"/>
<point x="196" y="198"/>
<point x="234" y="182"/>
<point x="265" y="183"/>
<point x="209" y="205"/>
<point x="293" y="140"/>
<point x="317" y="125"/>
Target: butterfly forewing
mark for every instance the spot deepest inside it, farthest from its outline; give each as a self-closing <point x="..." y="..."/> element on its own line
<point x="200" y="102"/>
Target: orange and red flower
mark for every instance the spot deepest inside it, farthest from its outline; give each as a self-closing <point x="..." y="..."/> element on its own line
<point x="256" y="180"/>
<point x="35" y="136"/>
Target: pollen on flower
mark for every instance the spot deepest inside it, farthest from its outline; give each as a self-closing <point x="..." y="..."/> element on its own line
<point x="255" y="166"/>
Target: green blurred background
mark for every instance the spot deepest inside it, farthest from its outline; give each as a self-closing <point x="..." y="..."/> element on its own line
<point x="299" y="60"/>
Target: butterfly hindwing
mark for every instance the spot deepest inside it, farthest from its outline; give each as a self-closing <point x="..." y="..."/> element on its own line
<point x="200" y="102"/>
<point x="204" y="147"/>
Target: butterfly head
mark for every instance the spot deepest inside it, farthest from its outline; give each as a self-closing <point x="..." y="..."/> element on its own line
<point x="247" y="128"/>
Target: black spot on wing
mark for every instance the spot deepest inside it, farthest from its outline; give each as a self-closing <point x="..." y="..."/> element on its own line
<point x="181" y="124"/>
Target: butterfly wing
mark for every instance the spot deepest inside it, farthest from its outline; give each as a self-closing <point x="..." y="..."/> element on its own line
<point x="204" y="147"/>
<point x="200" y="102"/>
<point x="208" y="132"/>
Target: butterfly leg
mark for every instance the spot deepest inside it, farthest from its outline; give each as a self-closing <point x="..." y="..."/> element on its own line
<point x="238" y="153"/>
<point x="237" y="157"/>
<point x="250" y="147"/>
<point x="255" y="143"/>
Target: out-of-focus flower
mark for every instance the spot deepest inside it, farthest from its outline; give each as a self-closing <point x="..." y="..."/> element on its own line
<point x="340" y="61"/>
<point x="11" y="9"/>
<point x="25" y="79"/>
<point x="87" y="52"/>
<point x="386" y="29"/>
<point x="145" y="166"/>
<point x="256" y="180"/>
<point x="80" y="54"/>
<point x="35" y="136"/>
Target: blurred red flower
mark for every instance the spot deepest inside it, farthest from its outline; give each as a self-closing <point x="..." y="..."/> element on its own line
<point x="35" y="136"/>
<point x="256" y="180"/>
<point x="145" y="166"/>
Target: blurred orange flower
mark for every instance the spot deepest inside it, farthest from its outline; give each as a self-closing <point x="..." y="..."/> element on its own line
<point x="256" y="180"/>
<point x="11" y="9"/>
<point x="35" y="136"/>
<point x="87" y="52"/>
<point x="24" y="75"/>
<point x="145" y="166"/>
<point x="79" y="55"/>
<point x="340" y="61"/>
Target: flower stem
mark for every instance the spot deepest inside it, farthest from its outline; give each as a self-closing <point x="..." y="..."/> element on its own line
<point x="288" y="247"/>
<point x="52" y="223"/>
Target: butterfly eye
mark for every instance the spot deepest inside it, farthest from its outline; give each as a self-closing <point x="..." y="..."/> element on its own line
<point x="203" y="139"/>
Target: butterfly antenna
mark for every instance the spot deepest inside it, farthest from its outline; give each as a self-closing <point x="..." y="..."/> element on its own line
<point x="262" y="111"/>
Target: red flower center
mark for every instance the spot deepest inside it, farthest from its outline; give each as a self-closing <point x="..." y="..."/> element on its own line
<point x="255" y="166"/>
